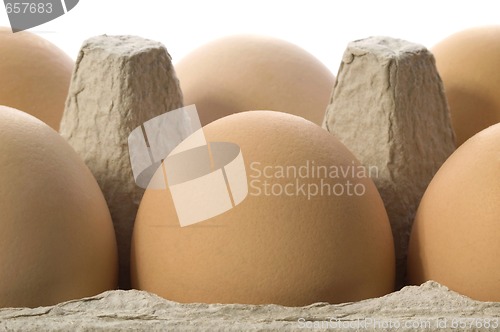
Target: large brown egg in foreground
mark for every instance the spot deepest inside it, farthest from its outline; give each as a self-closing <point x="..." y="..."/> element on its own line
<point x="469" y="64"/>
<point x="57" y="241"/>
<point x="247" y="72"/>
<point x="34" y="75"/>
<point x="455" y="237"/>
<point x="299" y="237"/>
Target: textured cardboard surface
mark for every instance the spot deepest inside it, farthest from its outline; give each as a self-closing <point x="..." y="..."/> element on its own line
<point x="389" y="108"/>
<point x="414" y="308"/>
<point x="119" y="82"/>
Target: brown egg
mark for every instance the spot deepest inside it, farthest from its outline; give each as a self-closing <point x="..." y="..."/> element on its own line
<point x="469" y="65"/>
<point x="34" y="75"/>
<point x="246" y="72"/>
<point x="57" y="240"/>
<point x="455" y="237"/>
<point x="281" y="244"/>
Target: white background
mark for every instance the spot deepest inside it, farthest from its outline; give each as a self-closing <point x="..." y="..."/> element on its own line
<point x="323" y="27"/>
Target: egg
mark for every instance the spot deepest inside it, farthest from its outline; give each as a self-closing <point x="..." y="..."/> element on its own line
<point x="57" y="241"/>
<point x="455" y="236"/>
<point x="469" y="65"/>
<point x="34" y="75"/>
<point x="311" y="228"/>
<point x="250" y="72"/>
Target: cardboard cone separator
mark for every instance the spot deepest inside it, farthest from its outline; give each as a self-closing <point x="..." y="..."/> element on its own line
<point x="389" y="108"/>
<point x="119" y="82"/>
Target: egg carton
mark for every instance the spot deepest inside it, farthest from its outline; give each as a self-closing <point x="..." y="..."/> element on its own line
<point x="386" y="125"/>
<point x="429" y="307"/>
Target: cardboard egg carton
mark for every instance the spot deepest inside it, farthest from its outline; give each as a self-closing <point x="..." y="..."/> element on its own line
<point x="388" y="107"/>
<point x="430" y="307"/>
<point x="119" y="82"/>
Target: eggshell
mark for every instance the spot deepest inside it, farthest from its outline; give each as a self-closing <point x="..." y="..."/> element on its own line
<point x="247" y="72"/>
<point x="34" y="75"/>
<point x="455" y="237"/>
<point x="469" y="65"/>
<point x="284" y="249"/>
<point x="56" y="237"/>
